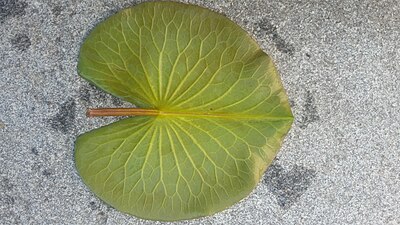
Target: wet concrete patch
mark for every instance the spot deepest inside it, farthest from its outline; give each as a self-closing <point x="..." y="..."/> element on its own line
<point x="21" y="42"/>
<point x="11" y="8"/>
<point x="288" y="186"/>
<point x="65" y="118"/>
<point x="309" y="113"/>
<point x="270" y="30"/>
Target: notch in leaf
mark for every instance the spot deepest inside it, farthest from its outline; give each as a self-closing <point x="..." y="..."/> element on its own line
<point x="211" y="114"/>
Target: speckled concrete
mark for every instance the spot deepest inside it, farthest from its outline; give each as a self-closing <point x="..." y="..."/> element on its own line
<point x="340" y="64"/>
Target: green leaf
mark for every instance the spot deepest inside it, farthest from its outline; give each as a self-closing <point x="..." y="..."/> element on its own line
<point x="219" y="112"/>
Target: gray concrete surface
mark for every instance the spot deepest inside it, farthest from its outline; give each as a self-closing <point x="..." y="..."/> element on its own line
<point x="339" y="61"/>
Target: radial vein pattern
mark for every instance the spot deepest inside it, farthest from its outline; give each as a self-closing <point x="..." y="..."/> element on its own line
<point x="222" y="112"/>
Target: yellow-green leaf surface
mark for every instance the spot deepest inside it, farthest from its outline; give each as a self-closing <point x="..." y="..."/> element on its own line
<point x="221" y="112"/>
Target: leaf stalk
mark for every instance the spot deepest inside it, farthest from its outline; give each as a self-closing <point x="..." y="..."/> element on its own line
<point x="121" y="112"/>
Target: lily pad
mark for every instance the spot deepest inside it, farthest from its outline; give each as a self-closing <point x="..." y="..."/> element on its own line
<point x="212" y="112"/>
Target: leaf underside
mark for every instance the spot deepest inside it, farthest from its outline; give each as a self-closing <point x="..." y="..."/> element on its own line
<point x="223" y="112"/>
